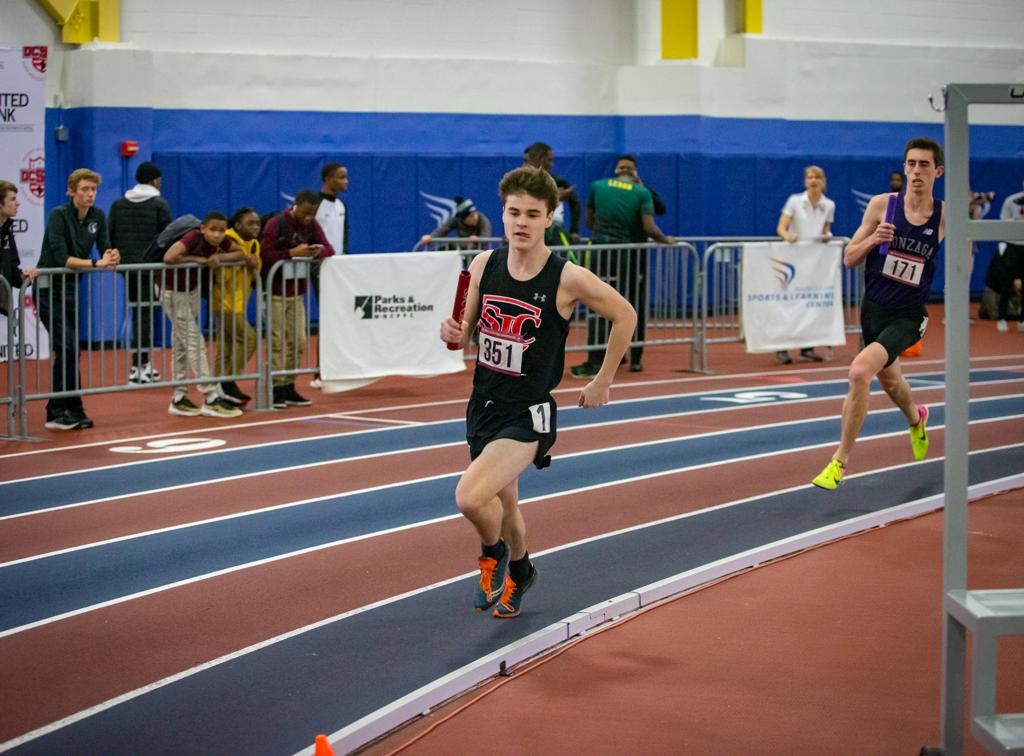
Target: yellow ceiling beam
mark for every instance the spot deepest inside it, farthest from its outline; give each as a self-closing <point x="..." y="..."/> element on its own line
<point x="679" y="29"/>
<point x="753" y="16"/>
<point x="83" y="21"/>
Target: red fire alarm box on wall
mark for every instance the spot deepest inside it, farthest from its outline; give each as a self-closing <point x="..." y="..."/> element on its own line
<point x="129" y="149"/>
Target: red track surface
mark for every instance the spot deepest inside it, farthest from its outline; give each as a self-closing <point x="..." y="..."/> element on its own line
<point x="738" y="667"/>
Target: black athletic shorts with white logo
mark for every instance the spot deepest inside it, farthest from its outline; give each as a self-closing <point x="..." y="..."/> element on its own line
<point x="488" y="420"/>
<point x="895" y="329"/>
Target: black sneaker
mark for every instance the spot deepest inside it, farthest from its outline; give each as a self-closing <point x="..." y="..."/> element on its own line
<point x="62" y="421"/>
<point x="808" y="355"/>
<point x="783" y="358"/>
<point x="585" y="370"/>
<point x="280" y="397"/>
<point x="83" y="420"/>
<point x="294" y="398"/>
<point x="636" y="367"/>
<point x="229" y="390"/>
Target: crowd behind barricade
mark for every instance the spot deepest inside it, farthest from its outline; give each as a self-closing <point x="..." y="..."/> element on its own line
<point x="223" y="260"/>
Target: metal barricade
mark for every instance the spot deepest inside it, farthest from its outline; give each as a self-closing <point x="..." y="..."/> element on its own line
<point x="289" y="330"/>
<point x="10" y="309"/>
<point x="458" y="244"/>
<point x="721" y="286"/>
<point x="660" y="281"/>
<point x="99" y="341"/>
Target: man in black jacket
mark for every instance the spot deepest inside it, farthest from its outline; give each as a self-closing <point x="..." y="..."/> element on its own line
<point x="541" y="155"/>
<point x="10" y="262"/>
<point x="136" y="219"/>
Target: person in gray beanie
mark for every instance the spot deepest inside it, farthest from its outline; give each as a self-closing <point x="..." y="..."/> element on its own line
<point x="467" y="222"/>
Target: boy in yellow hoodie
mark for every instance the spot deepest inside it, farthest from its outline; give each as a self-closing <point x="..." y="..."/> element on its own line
<point x="236" y="337"/>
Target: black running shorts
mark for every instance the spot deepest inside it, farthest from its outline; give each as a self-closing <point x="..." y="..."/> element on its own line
<point x="488" y="420"/>
<point x="894" y="329"/>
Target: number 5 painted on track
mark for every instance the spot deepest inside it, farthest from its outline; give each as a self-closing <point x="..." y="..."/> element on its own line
<point x="752" y="397"/>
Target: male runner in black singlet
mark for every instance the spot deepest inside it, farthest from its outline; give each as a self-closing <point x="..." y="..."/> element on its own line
<point x="522" y="297"/>
<point x="896" y="287"/>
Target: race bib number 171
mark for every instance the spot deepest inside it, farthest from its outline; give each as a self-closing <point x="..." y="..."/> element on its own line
<point x="906" y="269"/>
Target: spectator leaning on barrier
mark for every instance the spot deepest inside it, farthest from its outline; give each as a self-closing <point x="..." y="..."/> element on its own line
<point x="620" y="210"/>
<point x="1005" y="275"/>
<point x="136" y="219"/>
<point x="10" y="262"/>
<point x="332" y="216"/>
<point x="807" y="216"/>
<point x="207" y="245"/>
<point x="71" y="232"/>
<point x="292" y="234"/>
<point x="467" y="221"/>
<point x="541" y="155"/>
<point x="231" y="288"/>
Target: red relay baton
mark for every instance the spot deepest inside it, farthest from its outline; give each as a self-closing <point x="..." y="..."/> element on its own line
<point x="461" y="292"/>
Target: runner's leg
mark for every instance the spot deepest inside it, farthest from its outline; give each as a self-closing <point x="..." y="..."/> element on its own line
<point x="477" y="495"/>
<point x="865" y="367"/>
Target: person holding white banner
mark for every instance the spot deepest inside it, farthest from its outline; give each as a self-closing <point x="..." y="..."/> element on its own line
<point x="522" y="297"/>
<point x="807" y="216"/>
<point x="899" y="256"/>
<point x="10" y="262"/>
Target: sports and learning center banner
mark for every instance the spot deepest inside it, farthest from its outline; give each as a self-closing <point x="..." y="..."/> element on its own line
<point x="380" y="315"/>
<point x="23" y="163"/>
<point x="792" y="296"/>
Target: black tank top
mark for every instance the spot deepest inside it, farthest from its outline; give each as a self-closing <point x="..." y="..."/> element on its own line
<point x="902" y="279"/>
<point x="522" y="335"/>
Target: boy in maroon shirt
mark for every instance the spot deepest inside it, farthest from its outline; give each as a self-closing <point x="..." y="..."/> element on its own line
<point x="206" y="245"/>
<point x="295" y="233"/>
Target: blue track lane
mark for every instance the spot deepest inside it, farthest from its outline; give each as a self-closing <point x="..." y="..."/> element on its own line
<point x="328" y="677"/>
<point x="41" y="588"/>
<point x="19" y="497"/>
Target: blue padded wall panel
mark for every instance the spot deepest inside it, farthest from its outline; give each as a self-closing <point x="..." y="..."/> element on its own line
<point x="394" y="222"/>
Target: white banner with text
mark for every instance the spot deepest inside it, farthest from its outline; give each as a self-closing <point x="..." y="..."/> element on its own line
<point x="380" y="315"/>
<point x="792" y="295"/>
<point x="23" y="163"/>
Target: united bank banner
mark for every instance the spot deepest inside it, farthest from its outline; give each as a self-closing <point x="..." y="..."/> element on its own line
<point x="23" y="163"/>
<point x="792" y="295"/>
<point x="381" y="315"/>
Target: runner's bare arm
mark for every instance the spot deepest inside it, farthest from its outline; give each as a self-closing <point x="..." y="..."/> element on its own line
<point x="580" y="285"/>
<point x="872" y="232"/>
<point x="460" y="333"/>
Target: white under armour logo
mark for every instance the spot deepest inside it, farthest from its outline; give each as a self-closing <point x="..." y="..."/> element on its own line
<point x="540" y="297"/>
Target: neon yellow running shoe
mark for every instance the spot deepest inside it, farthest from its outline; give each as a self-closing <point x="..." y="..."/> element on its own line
<point x="919" y="436"/>
<point x="831" y="477"/>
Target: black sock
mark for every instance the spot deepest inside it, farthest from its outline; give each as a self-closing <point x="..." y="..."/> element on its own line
<point x="495" y="552"/>
<point x="519" y="569"/>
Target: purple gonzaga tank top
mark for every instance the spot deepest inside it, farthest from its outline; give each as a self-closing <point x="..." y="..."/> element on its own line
<point x="902" y="279"/>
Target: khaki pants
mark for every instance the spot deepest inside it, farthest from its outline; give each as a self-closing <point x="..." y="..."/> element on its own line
<point x="236" y="343"/>
<point x="188" y="350"/>
<point x="287" y="336"/>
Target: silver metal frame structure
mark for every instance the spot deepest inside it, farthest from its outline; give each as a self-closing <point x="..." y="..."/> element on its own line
<point x="986" y="613"/>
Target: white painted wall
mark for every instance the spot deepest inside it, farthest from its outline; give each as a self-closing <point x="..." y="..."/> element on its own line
<point x="947" y="23"/>
<point x="816" y="61"/>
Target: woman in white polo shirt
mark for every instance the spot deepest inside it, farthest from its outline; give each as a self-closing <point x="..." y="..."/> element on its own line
<point x="807" y="216"/>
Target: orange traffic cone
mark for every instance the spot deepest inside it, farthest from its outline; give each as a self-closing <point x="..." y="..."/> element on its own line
<point x="323" y="746"/>
<point x="912" y="351"/>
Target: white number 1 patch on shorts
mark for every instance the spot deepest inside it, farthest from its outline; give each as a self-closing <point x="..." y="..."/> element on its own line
<point x="541" y="417"/>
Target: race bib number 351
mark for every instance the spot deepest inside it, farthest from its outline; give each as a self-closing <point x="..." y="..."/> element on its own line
<point x="903" y="268"/>
<point x="501" y="353"/>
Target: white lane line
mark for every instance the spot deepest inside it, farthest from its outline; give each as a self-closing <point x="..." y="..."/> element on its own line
<point x="412" y="450"/>
<point x="346" y="434"/>
<point x="461" y="401"/>
<point x="408" y="526"/>
<point x="184" y="674"/>
<point x="385" y="421"/>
